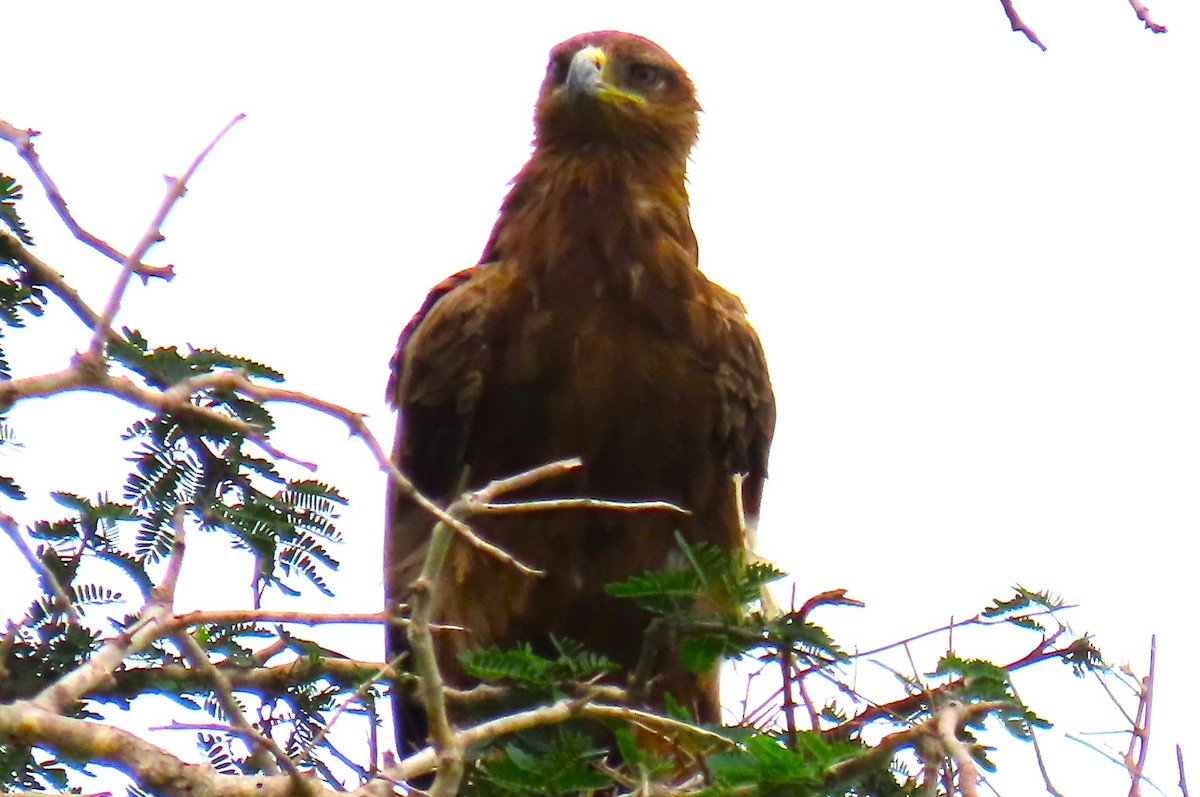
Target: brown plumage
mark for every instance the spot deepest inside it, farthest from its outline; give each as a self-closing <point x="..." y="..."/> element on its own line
<point x="586" y="330"/>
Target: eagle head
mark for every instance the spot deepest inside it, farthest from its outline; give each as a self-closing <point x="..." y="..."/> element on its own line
<point x="615" y="91"/>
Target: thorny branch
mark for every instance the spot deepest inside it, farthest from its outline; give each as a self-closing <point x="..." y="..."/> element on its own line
<point x="22" y="140"/>
<point x="176" y="187"/>
<point x="38" y="273"/>
<point x="447" y="747"/>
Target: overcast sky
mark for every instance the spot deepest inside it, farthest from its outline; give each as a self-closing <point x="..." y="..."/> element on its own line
<point x="974" y="267"/>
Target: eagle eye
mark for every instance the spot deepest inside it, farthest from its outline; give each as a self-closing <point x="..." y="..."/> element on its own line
<point x="645" y="77"/>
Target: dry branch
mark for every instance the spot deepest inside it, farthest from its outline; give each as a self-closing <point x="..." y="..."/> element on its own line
<point x="1018" y="26"/>
<point x="22" y="140"/>
<point x="1143" y="14"/>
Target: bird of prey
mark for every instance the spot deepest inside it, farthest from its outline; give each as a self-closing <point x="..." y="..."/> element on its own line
<point x="586" y="330"/>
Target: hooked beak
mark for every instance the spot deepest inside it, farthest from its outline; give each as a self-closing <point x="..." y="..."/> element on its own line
<point x="587" y="69"/>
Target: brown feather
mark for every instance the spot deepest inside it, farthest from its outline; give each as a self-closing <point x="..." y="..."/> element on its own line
<point x="587" y="330"/>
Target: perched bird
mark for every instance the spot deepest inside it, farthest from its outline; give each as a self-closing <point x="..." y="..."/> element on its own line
<point x="586" y="330"/>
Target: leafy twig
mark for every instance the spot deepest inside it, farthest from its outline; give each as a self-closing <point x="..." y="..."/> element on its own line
<point x="197" y="657"/>
<point x="64" y="600"/>
<point x="99" y="668"/>
<point x="39" y="273"/>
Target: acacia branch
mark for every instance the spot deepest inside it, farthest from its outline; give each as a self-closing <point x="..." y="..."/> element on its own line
<point x="940" y="729"/>
<point x="22" y="140"/>
<point x="176" y="188"/>
<point x="276" y="679"/>
<point x="261" y="744"/>
<point x="39" y="567"/>
<point x="906" y="705"/>
<point x="39" y="273"/>
<point x="231" y="616"/>
<point x="446" y="748"/>
<point x="425" y="761"/>
<point x="150" y="766"/>
<point x="98" y="669"/>
<point x="946" y="721"/>
<point x="356" y="421"/>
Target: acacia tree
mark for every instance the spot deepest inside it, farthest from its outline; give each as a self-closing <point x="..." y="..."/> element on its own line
<point x="281" y="713"/>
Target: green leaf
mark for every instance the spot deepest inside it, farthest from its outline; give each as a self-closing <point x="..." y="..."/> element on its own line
<point x="521" y="666"/>
<point x="10" y="192"/>
<point x="1083" y="656"/>
<point x="567" y="764"/>
<point x="700" y="653"/>
<point x="1023" y="599"/>
<point x="10" y="488"/>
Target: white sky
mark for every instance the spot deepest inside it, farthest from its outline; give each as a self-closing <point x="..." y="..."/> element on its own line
<point x="973" y="265"/>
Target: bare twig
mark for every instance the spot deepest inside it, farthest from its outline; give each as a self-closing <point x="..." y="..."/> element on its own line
<point x="832" y="597"/>
<point x="1018" y="26"/>
<point x="41" y="274"/>
<point x="176" y="188"/>
<point x="497" y="487"/>
<point x="60" y="594"/>
<point x="226" y="616"/>
<point x="446" y="746"/>
<point x="1143" y="14"/>
<point x="1113" y="698"/>
<point x="1182" y="777"/>
<point x="547" y="504"/>
<point x="978" y="619"/>
<point x="23" y="141"/>
<point x="356" y="421"/>
<point x="789" y="702"/>
<point x="1139" y="739"/>
<point x="1037" y="752"/>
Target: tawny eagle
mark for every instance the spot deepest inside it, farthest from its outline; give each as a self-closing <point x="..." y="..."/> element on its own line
<point x="586" y="330"/>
